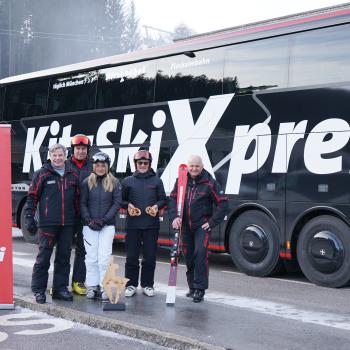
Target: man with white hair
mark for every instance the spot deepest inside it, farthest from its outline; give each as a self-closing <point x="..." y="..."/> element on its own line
<point x="54" y="192"/>
<point x="197" y="222"/>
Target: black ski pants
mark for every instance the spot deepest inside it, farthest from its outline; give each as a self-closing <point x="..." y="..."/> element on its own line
<point x="79" y="267"/>
<point x="133" y="241"/>
<point x="195" y="248"/>
<point x="49" y="236"/>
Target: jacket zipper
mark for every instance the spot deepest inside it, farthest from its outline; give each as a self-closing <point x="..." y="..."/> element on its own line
<point x="46" y="205"/>
<point x="191" y="196"/>
<point x="62" y="189"/>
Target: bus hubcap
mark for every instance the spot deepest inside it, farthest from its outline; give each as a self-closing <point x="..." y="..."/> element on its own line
<point x="254" y="244"/>
<point x="326" y="252"/>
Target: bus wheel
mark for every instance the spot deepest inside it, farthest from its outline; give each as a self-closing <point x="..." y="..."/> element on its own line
<point x="28" y="237"/>
<point x="254" y="244"/>
<point x="323" y="251"/>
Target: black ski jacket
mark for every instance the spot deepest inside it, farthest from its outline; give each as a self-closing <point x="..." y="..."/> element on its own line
<point x="56" y="195"/>
<point x="201" y="194"/>
<point x="84" y="171"/>
<point x="143" y="190"/>
<point x="99" y="204"/>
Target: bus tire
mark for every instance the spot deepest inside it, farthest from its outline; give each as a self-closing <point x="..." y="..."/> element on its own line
<point x="28" y="237"/>
<point x="255" y="244"/>
<point x="323" y="251"/>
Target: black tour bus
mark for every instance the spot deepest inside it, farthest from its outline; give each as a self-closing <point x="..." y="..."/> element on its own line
<point x="266" y="105"/>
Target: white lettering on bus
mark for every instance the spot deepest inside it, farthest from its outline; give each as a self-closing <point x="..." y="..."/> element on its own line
<point x="250" y="150"/>
<point x="193" y="137"/>
<point x="316" y="146"/>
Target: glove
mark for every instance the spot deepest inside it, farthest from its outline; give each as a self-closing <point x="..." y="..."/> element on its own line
<point x="94" y="225"/>
<point x="102" y="222"/>
<point x="86" y="221"/>
<point x="31" y="225"/>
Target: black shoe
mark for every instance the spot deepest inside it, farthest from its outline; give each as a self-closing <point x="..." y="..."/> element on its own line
<point x="40" y="297"/>
<point x="190" y="293"/>
<point x="198" y="295"/>
<point x="63" y="294"/>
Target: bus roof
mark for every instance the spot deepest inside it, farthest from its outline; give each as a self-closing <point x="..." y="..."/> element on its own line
<point x="277" y="26"/>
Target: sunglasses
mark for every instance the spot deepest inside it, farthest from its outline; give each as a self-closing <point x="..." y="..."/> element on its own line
<point x="140" y="162"/>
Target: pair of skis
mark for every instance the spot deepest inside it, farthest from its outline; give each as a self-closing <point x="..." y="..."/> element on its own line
<point x="175" y="250"/>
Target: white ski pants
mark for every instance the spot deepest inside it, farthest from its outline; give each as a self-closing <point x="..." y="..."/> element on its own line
<point x="98" y="246"/>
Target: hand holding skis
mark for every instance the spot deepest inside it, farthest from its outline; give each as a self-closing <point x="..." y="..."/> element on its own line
<point x="177" y="223"/>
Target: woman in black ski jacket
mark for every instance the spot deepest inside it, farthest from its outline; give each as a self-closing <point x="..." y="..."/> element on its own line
<point x="100" y="202"/>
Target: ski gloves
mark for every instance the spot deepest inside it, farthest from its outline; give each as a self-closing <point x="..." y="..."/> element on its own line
<point x="96" y="225"/>
<point x="31" y="224"/>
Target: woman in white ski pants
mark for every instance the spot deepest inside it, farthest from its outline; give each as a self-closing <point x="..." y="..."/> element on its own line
<point x="100" y="201"/>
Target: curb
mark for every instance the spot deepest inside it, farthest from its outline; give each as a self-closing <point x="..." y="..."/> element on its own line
<point x="131" y="330"/>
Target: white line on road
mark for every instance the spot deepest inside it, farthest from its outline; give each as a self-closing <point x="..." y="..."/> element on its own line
<point x="284" y="311"/>
<point x="266" y="307"/>
<point x="272" y="278"/>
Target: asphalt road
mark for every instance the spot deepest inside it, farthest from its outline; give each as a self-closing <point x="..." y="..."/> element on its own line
<point x="283" y="312"/>
<point x="28" y="330"/>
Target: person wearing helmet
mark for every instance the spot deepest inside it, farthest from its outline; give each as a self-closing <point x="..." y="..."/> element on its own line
<point x="79" y="160"/>
<point x="100" y="201"/>
<point x="143" y="195"/>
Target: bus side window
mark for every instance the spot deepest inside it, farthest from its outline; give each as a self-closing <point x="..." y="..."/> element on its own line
<point x="73" y="93"/>
<point x="198" y="74"/>
<point x="2" y="95"/>
<point x="25" y="100"/>
<point x="126" y="85"/>
<point x="320" y="56"/>
<point x="257" y="65"/>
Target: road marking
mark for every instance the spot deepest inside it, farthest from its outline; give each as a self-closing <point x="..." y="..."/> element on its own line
<point x="26" y="263"/>
<point x="270" y="308"/>
<point x="53" y="324"/>
<point x="233" y="272"/>
<point x="271" y="278"/>
<point x="22" y="254"/>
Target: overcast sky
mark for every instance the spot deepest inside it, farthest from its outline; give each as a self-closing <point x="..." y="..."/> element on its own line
<point x="207" y="15"/>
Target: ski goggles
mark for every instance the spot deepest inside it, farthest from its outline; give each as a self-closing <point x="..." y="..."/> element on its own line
<point x="100" y="158"/>
<point x="80" y="140"/>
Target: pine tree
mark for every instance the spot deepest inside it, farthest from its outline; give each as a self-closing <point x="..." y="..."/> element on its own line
<point x="112" y="30"/>
<point x="132" y="37"/>
<point x="182" y="31"/>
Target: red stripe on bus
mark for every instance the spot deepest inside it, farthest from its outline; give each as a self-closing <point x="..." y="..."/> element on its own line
<point x="286" y="255"/>
<point x="232" y="32"/>
<point x="216" y="247"/>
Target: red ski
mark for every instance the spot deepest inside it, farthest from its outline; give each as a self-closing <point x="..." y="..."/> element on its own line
<point x="175" y="250"/>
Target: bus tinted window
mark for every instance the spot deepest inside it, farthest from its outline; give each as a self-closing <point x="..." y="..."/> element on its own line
<point x="126" y="85"/>
<point x="25" y="100"/>
<point x="73" y="93"/>
<point x="320" y="56"/>
<point x="256" y="65"/>
<point x="181" y="76"/>
<point x="2" y="93"/>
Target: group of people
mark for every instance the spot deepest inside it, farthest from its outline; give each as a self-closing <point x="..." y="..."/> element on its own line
<point x="80" y="197"/>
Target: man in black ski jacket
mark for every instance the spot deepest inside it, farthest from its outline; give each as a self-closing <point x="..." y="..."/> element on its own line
<point x="143" y="196"/>
<point x="55" y="189"/>
<point x="202" y="192"/>
<point x="80" y="162"/>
